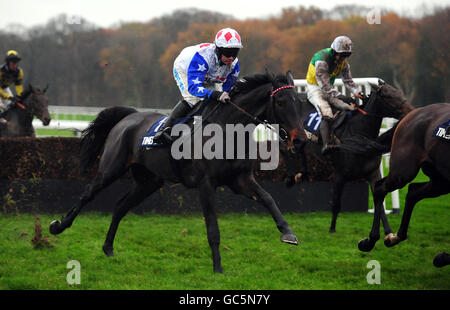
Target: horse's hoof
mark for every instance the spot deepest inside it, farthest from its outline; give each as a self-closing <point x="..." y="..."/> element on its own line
<point x="289" y="238"/>
<point x="55" y="227"/>
<point x="366" y="245"/>
<point x="109" y="251"/>
<point x="332" y="230"/>
<point x="391" y="239"/>
<point x="441" y="260"/>
<point x="218" y="270"/>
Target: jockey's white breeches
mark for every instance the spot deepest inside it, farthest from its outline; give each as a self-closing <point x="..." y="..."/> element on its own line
<point x="318" y="99"/>
<point x="5" y="102"/>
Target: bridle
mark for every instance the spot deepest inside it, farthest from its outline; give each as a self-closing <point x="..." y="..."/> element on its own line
<point x="272" y="113"/>
<point x="372" y="98"/>
<point x="266" y="124"/>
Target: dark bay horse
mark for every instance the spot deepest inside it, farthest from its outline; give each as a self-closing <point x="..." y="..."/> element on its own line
<point x="415" y="146"/>
<point x="359" y="155"/>
<point x="33" y="102"/>
<point x="115" y="134"/>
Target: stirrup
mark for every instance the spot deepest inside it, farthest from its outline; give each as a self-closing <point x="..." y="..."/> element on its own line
<point x="163" y="136"/>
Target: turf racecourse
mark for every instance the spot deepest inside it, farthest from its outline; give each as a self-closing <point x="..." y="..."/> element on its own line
<point x="160" y="252"/>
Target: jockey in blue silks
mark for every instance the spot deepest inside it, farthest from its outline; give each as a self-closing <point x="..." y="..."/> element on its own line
<point x="205" y="71"/>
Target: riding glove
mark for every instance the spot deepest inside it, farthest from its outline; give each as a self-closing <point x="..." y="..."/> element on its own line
<point x="224" y="97"/>
<point x="346" y="99"/>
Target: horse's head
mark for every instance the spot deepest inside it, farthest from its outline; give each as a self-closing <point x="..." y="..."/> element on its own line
<point x="391" y="100"/>
<point x="286" y="110"/>
<point x="36" y="101"/>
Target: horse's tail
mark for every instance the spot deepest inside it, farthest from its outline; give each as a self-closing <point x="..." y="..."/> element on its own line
<point x="94" y="136"/>
<point x="364" y="146"/>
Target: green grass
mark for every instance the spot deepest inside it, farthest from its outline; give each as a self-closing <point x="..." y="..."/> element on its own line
<point x="171" y="252"/>
<point x="73" y="117"/>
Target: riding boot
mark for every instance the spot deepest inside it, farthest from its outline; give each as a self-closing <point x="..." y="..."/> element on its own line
<point x="163" y="135"/>
<point x="325" y="134"/>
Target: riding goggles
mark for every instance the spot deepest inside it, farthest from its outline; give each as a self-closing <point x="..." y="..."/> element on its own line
<point x="345" y="54"/>
<point x="229" y="52"/>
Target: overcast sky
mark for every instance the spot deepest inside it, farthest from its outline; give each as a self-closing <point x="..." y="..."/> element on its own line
<point x="105" y="13"/>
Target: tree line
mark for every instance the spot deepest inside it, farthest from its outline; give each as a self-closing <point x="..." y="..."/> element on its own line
<point x="131" y="63"/>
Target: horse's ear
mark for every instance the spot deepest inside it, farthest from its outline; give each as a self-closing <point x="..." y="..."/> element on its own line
<point x="290" y="78"/>
<point x="31" y="88"/>
<point x="45" y="89"/>
<point x="374" y="86"/>
<point x="269" y="74"/>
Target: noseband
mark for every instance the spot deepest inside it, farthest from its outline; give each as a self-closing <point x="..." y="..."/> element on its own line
<point x="282" y="134"/>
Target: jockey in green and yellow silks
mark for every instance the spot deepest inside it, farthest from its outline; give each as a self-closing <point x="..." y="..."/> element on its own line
<point x="334" y="68"/>
<point x="323" y="69"/>
<point x="10" y="73"/>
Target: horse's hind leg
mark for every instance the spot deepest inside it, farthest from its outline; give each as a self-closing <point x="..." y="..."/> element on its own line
<point x="91" y="191"/>
<point x="374" y="177"/>
<point x="338" y="186"/>
<point x="207" y="199"/>
<point x="112" y="166"/>
<point x="145" y="184"/>
<point x="381" y="188"/>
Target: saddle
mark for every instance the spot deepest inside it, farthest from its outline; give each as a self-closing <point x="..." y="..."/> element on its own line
<point x="443" y="131"/>
<point x="313" y="120"/>
<point x="147" y="140"/>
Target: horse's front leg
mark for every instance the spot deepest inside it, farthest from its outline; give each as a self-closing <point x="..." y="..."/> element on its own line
<point x="248" y="186"/>
<point x="416" y="192"/>
<point x="335" y="202"/>
<point x="207" y="199"/>
<point x="379" y="194"/>
<point x="373" y="178"/>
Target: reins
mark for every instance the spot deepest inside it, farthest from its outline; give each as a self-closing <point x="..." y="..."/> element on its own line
<point x="256" y="119"/>
<point x="21" y="106"/>
<point x="253" y="117"/>
<point x="17" y="104"/>
<point x="371" y="100"/>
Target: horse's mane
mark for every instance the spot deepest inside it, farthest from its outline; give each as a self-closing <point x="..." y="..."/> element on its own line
<point x="248" y="83"/>
<point x="27" y="91"/>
